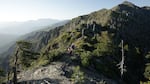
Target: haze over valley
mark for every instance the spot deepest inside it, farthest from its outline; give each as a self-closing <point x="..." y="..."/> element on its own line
<point x="11" y="31"/>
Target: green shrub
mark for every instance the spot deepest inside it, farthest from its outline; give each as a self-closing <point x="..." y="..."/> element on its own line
<point x="148" y="82"/>
<point x="54" y="55"/>
<point x="147" y="68"/>
<point x="102" y="82"/>
<point x="48" y="57"/>
<point x="147" y="72"/>
<point x="1" y="72"/>
<point x="2" y="75"/>
<point x="85" y="58"/>
<point x="78" y="76"/>
<point x="42" y="62"/>
<point x="148" y="55"/>
<point x="105" y="45"/>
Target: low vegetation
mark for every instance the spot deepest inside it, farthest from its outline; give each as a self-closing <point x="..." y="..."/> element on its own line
<point x="78" y="76"/>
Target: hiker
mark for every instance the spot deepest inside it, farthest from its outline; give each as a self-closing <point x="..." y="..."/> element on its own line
<point x="71" y="48"/>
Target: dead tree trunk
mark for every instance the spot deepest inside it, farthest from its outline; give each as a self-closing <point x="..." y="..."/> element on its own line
<point x="15" y="67"/>
<point x="122" y="61"/>
<point x="82" y="33"/>
<point x="14" y="75"/>
<point x="121" y="64"/>
<point x="94" y="29"/>
<point x="8" y="79"/>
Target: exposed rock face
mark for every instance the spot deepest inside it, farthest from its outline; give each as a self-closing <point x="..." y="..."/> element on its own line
<point x="51" y="73"/>
<point x="59" y="73"/>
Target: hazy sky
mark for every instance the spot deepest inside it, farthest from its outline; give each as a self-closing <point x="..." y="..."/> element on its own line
<point x="22" y="10"/>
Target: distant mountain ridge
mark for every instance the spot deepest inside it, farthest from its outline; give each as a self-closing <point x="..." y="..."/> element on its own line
<point x="21" y="28"/>
<point x="11" y="31"/>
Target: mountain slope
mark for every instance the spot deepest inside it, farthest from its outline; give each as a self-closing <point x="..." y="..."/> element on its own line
<point x="102" y="33"/>
<point x="92" y="43"/>
<point x="39" y="39"/>
<point x="10" y="31"/>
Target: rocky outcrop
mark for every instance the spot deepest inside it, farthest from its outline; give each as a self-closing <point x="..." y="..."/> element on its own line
<point x="60" y="73"/>
<point x="52" y="74"/>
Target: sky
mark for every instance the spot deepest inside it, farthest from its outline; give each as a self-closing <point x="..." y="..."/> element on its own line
<point x="23" y="10"/>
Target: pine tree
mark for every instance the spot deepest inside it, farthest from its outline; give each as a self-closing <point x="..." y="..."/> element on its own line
<point x="22" y="48"/>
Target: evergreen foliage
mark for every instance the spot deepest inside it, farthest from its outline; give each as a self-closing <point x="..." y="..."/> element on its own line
<point x="25" y="55"/>
<point x="78" y="76"/>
